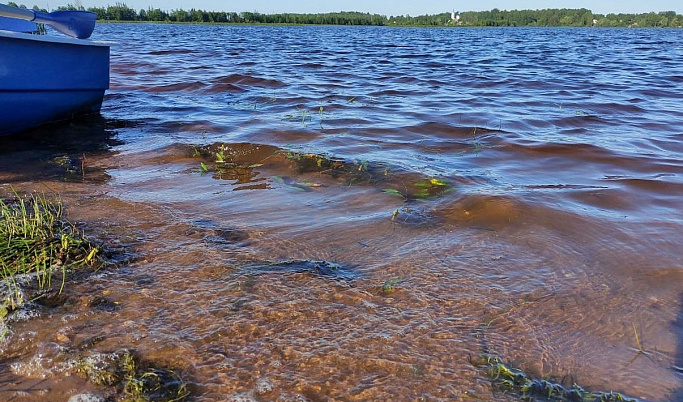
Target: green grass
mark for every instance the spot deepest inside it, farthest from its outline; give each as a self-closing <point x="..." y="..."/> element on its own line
<point x="36" y="242"/>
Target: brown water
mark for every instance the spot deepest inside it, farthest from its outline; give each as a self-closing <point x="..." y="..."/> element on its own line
<point x="520" y="187"/>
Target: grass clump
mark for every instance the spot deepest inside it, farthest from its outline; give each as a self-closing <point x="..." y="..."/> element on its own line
<point x="511" y="380"/>
<point x="36" y="242"/>
<point x="134" y="380"/>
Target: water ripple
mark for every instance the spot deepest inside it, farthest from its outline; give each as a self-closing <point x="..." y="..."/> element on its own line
<point x="515" y="191"/>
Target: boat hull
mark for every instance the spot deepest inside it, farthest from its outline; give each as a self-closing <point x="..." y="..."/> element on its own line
<point x="47" y="79"/>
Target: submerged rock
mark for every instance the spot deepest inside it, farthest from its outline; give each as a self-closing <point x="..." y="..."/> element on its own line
<point x="214" y="234"/>
<point x="325" y="269"/>
<point x="133" y="379"/>
<point x="413" y="218"/>
<point x="226" y="236"/>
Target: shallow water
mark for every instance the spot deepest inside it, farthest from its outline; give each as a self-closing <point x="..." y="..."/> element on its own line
<point x="519" y="188"/>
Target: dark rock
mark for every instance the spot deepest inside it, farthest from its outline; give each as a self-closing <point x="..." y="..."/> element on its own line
<point x="324" y="269"/>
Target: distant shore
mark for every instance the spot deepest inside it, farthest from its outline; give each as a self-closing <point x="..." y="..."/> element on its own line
<point x="494" y="18"/>
<point x="245" y="24"/>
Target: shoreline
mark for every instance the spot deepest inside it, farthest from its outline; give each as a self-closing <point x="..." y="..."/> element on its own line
<point x="257" y="24"/>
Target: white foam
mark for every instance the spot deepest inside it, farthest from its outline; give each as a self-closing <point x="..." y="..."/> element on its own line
<point x="242" y="397"/>
<point x="86" y="398"/>
<point x="263" y="386"/>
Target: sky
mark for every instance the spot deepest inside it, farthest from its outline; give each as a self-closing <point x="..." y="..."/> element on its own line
<point x="383" y="7"/>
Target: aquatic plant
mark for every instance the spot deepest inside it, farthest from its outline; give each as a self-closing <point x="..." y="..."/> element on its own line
<point x="35" y="242"/>
<point x="135" y="380"/>
<point x="511" y="380"/>
<point x="421" y="189"/>
<point x="430" y="187"/>
<point x="303" y="115"/>
<point x="70" y="167"/>
<point x="220" y="156"/>
<point x="638" y="344"/>
<point x="639" y="349"/>
<point x="390" y="285"/>
<point x="238" y="161"/>
<point x="233" y="162"/>
<point x="224" y="162"/>
<point x="476" y="143"/>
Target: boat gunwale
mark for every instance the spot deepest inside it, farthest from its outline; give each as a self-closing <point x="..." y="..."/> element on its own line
<point x="53" y="39"/>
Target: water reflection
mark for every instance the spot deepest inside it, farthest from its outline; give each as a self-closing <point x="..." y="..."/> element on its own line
<point x="62" y="151"/>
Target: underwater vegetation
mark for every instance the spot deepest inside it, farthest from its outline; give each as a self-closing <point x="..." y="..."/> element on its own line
<point x="505" y="378"/>
<point x="238" y="162"/>
<point x="134" y="380"/>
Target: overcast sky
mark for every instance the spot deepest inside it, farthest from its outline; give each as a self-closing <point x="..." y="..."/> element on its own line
<point x="383" y="7"/>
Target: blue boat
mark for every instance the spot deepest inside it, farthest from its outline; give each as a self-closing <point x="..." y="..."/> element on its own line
<point x="45" y="78"/>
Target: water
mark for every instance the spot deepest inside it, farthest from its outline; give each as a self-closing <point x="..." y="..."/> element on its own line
<point x="318" y="268"/>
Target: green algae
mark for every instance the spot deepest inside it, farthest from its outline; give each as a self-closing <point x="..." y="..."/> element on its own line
<point x="507" y="379"/>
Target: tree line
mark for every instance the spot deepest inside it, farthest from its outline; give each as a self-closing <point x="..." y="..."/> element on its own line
<point x="548" y="17"/>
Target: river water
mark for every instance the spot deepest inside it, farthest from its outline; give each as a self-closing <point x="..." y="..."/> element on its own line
<point x="391" y="203"/>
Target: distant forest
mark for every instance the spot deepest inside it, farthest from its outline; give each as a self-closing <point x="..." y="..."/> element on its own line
<point x="494" y="18"/>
